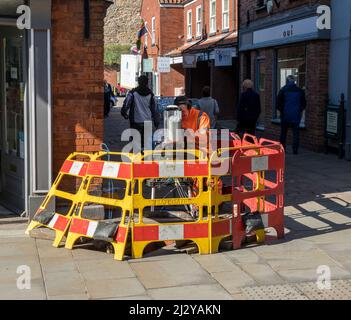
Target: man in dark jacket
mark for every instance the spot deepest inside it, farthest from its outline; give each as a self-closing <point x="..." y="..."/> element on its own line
<point x="249" y="109"/>
<point x="291" y="103"/>
<point x="107" y="98"/>
<point x="140" y="107"/>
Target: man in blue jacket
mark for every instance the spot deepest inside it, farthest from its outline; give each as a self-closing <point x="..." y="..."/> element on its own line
<point x="291" y="103"/>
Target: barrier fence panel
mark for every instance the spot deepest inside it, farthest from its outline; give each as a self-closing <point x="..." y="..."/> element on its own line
<point x="112" y="207"/>
<point x="258" y="186"/>
<point x="169" y="195"/>
<point x="64" y="195"/>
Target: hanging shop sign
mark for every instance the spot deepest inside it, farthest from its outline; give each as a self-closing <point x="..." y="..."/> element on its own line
<point x="223" y="57"/>
<point x="148" y="65"/>
<point x="189" y="61"/>
<point x="164" y="64"/>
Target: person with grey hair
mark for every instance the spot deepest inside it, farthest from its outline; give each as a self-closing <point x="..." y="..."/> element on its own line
<point x="249" y="109"/>
<point x="291" y="103"/>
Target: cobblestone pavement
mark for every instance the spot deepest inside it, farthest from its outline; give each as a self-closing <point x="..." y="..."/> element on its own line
<point x="318" y="237"/>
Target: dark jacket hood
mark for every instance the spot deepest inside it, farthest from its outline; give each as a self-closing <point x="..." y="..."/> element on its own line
<point x="143" y="91"/>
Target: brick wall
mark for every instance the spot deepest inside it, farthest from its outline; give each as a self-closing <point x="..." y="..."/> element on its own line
<point x="77" y="78"/>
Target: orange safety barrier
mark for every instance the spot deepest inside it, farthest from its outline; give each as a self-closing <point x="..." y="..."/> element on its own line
<point x="262" y="168"/>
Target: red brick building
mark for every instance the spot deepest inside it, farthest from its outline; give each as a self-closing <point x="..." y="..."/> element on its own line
<point x="200" y="38"/>
<point x="276" y="42"/>
<point x="164" y="21"/>
<point x="53" y="89"/>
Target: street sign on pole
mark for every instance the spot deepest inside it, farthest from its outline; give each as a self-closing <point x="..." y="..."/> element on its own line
<point x="164" y="64"/>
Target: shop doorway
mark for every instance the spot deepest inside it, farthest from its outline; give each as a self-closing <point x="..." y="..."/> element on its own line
<point x="12" y="140"/>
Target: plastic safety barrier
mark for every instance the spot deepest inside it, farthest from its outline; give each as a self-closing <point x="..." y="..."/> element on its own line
<point x="115" y="230"/>
<point x="258" y="186"/>
<point x="45" y="217"/>
<point x="199" y="231"/>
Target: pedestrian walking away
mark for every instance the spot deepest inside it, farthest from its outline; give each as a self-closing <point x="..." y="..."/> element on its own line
<point x="209" y="106"/>
<point x="291" y="103"/>
<point x="107" y="98"/>
<point x="140" y="107"/>
<point x="249" y="109"/>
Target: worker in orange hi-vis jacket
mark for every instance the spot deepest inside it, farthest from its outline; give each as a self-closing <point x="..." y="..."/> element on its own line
<point x="196" y="120"/>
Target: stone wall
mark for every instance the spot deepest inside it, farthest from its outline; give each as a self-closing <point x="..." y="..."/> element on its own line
<point x="122" y="22"/>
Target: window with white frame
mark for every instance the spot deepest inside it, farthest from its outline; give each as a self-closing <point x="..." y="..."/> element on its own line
<point x="146" y="36"/>
<point x="153" y="31"/>
<point x="213" y="28"/>
<point x="189" y="24"/>
<point x="198" y="21"/>
<point x="225" y="14"/>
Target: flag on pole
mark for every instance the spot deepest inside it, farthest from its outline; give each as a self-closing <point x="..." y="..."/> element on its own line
<point x="142" y="30"/>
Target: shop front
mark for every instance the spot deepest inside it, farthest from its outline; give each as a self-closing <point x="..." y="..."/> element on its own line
<point x="25" y="136"/>
<point x="213" y="62"/>
<point x="290" y="45"/>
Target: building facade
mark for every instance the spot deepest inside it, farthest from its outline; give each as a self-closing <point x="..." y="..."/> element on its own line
<point x="340" y="62"/>
<point x="200" y="38"/>
<point x="51" y="93"/>
<point x="279" y="38"/>
<point x="164" y="22"/>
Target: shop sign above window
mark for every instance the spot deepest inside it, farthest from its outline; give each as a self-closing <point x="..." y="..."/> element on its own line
<point x="287" y="31"/>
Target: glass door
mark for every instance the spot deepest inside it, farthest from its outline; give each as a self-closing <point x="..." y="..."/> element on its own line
<point x="12" y="119"/>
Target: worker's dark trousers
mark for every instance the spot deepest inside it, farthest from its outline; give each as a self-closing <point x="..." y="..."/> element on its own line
<point x="296" y="134"/>
<point x="140" y="128"/>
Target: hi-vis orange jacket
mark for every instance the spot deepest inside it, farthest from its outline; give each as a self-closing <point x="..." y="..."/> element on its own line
<point x="196" y="120"/>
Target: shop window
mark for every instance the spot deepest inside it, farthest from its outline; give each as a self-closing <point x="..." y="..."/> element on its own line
<point x="290" y="61"/>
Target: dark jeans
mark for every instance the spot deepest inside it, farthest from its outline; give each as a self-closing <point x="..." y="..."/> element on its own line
<point x="296" y="134"/>
<point x="242" y="129"/>
<point x="141" y="129"/>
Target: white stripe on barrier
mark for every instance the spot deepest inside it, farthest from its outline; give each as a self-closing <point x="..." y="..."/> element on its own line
<point x="76" y="167"/>
<point x="231" y="226"/>
<point x="92" y="228"/>
<point x="53" y="221"/>
<point x="171" y="169"/>
<point x="259" y="164"/>
<point x="110" y="170"/>
<point x="264" y="218"/>
<point x="171" y="232"/>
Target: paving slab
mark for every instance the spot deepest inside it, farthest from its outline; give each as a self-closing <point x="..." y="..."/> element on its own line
<point x="10" y="291"/>
<point x="193" y="292"/>
<point x="143" y="297"/>
<point x="64" y="283"/>
<point x="104" y="269"/>
<point x="215" y="263"/>
<point x="233" y="281"/>
<point x="58" y="264"/>
<point x="297" y="275"/>
<point x="111" y="288"/>
<point x="261" y="273"/>
<point x="274" y="292"/>
<point x="339" y="290"/>
<point x="166" y="273"/>
<point x="244" y="255"/>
